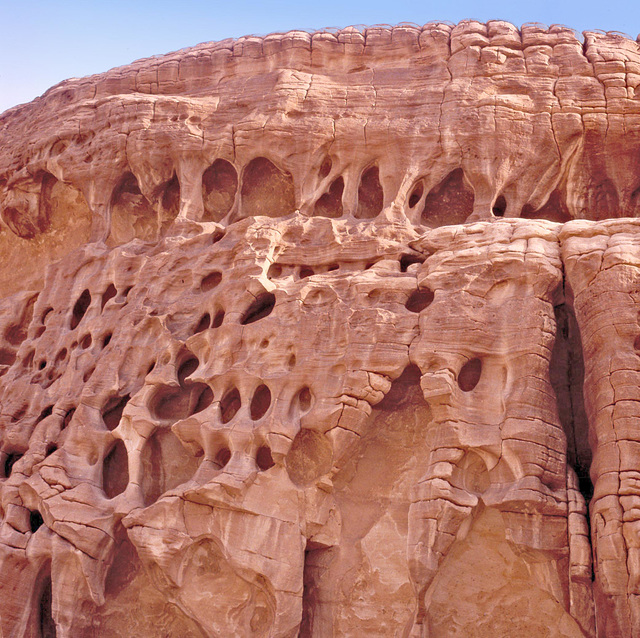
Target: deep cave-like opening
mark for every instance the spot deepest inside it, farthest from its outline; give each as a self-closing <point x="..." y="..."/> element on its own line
<point x="370" y="194"/>
<point x="266" y="190"/>
<point x="450" y="202"/>
<point x="45" y="610"/>
<point x="566" y="373"/>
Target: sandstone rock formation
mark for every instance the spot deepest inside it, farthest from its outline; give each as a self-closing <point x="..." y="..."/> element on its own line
<point x="327" y="334"/>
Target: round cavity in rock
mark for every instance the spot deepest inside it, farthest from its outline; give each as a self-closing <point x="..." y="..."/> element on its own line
<point x="370" y="194"/>
<point x="325" y="168"/>
<point x="219" y="186"/>
<point x="469" y="374"/>
<point x="218" y="319"/>
<point x="309" y="458"/>
<point x="416" y="195"/>
<point x="260" y="308"/>
<point x="80" y="308"/>
<point x="264" y="460"/>
<point x="304" y="399"/>
<point x="230" y="404"/>
<point x="210" y="281"/>
<point x="266" y="190"/>
<point x="329" y="204"/>
<point x="108" y="294"/>
<point x="260" y="402"/>
<point x="500" y="207"/>
<point x="203" y="324"/>
<point x="223" y="457"/>
<point x="112" y="411"/>
<point x="187" y="368"/>
<point x="419" y="299"/>
<point x="85" y="342"/>
<point x="306" y="271"/>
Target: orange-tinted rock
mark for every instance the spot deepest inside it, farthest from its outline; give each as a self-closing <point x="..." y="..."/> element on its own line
<point x="326" y="334"/>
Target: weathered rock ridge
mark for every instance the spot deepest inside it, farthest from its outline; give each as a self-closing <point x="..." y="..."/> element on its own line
<point x="326" y="334"/>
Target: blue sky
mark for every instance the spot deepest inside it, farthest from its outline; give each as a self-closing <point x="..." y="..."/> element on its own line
<point x="42" y="43"/>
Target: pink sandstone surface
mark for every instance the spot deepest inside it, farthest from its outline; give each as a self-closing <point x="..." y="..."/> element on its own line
<point x="330" y="334"/>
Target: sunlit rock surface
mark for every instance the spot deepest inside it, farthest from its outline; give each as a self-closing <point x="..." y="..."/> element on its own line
<point x="327" y="334"/>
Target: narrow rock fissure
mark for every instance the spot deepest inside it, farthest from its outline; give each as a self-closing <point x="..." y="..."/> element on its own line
<point x="566" y="373"/>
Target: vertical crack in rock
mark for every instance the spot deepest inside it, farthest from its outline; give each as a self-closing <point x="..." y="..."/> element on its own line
<point x="566" y="373"/>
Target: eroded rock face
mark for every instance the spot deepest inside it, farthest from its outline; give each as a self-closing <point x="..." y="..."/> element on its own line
<point x="326" y="335"/>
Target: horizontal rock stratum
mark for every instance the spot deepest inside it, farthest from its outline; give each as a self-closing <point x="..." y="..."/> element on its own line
<point x="330" y="334"/>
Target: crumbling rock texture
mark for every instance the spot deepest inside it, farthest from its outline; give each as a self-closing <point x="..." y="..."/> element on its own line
<point x="326" y="334"/>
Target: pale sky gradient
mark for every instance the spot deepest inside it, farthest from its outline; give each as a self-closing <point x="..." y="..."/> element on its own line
<point x="43" y="43"/>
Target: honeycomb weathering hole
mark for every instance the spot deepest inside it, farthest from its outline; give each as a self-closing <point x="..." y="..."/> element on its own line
<point x="112" y="411"/>
<point x="500" y="207"/>
<point x="132" y="214"/>
<point x="309" y="457"/>
<point x="187" y="368"/>
<point x="210" y="281"/>
<point x="416" y="195"/>
<point x="218" y="319"/>
<point x="325" y="168"/>
<point x="304" y="399"/>
<point x="260" y="402"/>
<point x="419" y="299"/>
<point x="170" y="403"/>
<point x="108" y="294"/>
<point x="219" y="186"/>
<point x="80" y="308"/>
<point x="230" y="404"/>
<point x="450" y="202"/>
<point x="223" y="456"/>
<point x="470" y="375"/>
<point x="266" y="190"/>
<point x="555" y="209"/>
<point x="35" y="521"/>
<point x="170" y="199"/>
<point x="260" y="308"/>
<point x="203" y="324"/>
<point x="264" y="460"/>
<point x="370" y="194"/>
<point x="330" y="203"/>
<point x="115" y="470"/>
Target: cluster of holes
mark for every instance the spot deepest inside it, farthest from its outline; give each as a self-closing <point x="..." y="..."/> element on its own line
<point x="171" y="403"/>
<point x="264" y="459"/>
<point x="276" y="270"/>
